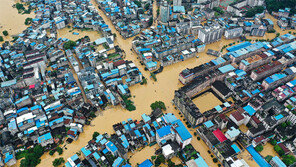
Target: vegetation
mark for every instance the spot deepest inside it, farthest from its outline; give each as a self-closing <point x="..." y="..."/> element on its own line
<point x="271" y="31"/>
<point x="129" y="104"/>
<point x="138" y="3"/>
<point x="59" y="150"/>
<point x="20" y="7"/>
<point x="150" y="21"/>
<point x="95" y="134"/>
<point x="215" y="160"/>
<point x="159" y="160"/>
<point x="144" y="81"/>
<point x="218" y="10"/>
<point x="51" y="152"/>
<point x="69" y="45"/>
<point x="1" y="39"/>
<point x="158" y="104"/>
<point x="32" y="156"/>
<point x="58" y="162"/>
<point x="28" y="21"/>
<point x="153" y="76"/>
<point x="252" y="12"/>
<point x="170" y="163"/>
<point x="259" y="148"/>
<point x="273" y="142"/>
<point x="105" y="45"/>
<point x="290" y="107"/>
<point x="284" y="125"/>
<point x="147" y="6"/>
<point x="289" y="159"/>
<point x="5" y="33"/>
<point x="275" y="5"/>
<point x="279" y="150"/>
<point x="268" y="158"/>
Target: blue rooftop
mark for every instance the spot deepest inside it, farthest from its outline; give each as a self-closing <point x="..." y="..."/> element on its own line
<point x="166" y="130"/>
<point x="146" y="163"/>
<point x="249" y="109"/>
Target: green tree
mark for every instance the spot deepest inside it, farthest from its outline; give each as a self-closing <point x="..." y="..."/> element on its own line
<point x="273" y="142"/>
<point x="150" y="22"/>
<point x="253" y="11"/>
<point x="215" y="160"/>
<point x="158" y="104"/>
<point x="5" y="33"/>
<point x="147" y="6"/>
<point x="279" y="150"/>
<point x="59" y="150"/>
<point x="51" y="152"/>
<point x="289" y="159"/>
<point x="268" y="158"/>
<point x="259" y="148"/>
<point x="58" y="162"/>
<point x="1" y="39"/>
<point x="28" y="21"/>
<point x="19" y="6"/>
<point x="219" y="10"/>
<point x="95" y="134"/>
<point x="138" y="3"/>
<point x="153" y="76"/>
<point x="69" y="45"/>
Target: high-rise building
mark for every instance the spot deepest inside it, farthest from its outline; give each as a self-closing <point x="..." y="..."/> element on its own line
<point x="164" y="12"/>
<point x="177" y="2"/>
<point x="210" y="34"/>
<point x="233" y="33"/>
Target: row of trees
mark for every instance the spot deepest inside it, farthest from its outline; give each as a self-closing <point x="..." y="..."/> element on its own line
<point x="253" y="11"/>
<point x="275" y="5"/>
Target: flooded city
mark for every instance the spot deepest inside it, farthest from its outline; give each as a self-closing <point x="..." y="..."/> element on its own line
<point x="142" y="95"/>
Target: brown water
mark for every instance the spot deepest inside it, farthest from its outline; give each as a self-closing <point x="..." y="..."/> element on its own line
<point x="268" y="150"/>
<point x="248" y="158"/>
<point x="143" y="95"/>
<point x="10" y="20"/>
<point x="143" y="154"/>
<point x="203" y="103"/>
<point x="68" y="33"/>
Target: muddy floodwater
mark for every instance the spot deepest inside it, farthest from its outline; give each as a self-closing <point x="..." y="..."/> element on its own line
<point x="268" y="150"/>
<point x="68" y="33"/>
<point x="142" y="95"/>
<point x="10" y="20"/>
<point x="206" y="101"/>
<point x="141" y="155"/>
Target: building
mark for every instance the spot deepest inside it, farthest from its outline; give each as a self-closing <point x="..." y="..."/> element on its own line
<point x="233" y="33"/>
<point x="164" y="12"/>
<point x="265" y="70"/>
<point x="177" y="2"/>
<point x="277" y="162"/>
<point x="210" y="34"/>
<point x="257" y="30"/>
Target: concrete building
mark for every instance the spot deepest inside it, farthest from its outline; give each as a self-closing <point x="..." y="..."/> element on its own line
<point x="233" y="33"/>
<point x="164" y="12"/>
<point x="177" y="2"/>
<point x="210" y="34"/>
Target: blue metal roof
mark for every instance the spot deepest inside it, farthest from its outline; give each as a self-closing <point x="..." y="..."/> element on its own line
<point x="146" y="163"/>
<point x="166" y="130"/>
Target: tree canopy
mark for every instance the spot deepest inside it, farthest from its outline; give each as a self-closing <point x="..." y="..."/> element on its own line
<point x="69" y="45"/>
<point x="253" y="11"/>
<point x="158" y="104"/>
